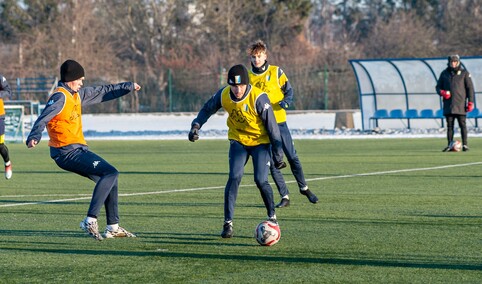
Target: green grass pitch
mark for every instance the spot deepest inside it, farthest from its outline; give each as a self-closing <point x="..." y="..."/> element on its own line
<point x="390" y="211"/>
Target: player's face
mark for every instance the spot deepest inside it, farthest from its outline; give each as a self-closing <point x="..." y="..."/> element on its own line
<point x="239" y="90"/>
<point x="258" y="59"/>
<point x="454" y="63"/>
<point x="76" y="85"/>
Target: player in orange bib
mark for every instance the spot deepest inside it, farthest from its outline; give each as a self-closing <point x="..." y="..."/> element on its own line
<point x="62" y="116"/>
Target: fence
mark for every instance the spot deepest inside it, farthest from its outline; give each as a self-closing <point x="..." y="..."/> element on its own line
<point x="34" y="89"/>
<point x="14" y="123"/>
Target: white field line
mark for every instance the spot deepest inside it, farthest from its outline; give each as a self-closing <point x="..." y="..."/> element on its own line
<point x="86" y="197"/>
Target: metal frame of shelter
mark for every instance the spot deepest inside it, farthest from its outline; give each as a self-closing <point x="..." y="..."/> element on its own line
<point x="404" y="88"/>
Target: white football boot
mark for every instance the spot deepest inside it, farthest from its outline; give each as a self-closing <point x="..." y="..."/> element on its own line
<point x="91" y="228"/>
<point x="119" y="233"/>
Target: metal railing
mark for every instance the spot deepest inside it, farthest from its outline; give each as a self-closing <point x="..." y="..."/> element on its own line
<point x="36" y="89"/>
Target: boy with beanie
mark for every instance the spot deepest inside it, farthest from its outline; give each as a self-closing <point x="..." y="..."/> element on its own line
<point x="252" y="132"/>
<point x="273" y="81"/>
<point x="62" y="116"/>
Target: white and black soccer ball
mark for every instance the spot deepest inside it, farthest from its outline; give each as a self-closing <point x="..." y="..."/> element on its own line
<point x="455" y="146"/>
<point x="267" y="233"/>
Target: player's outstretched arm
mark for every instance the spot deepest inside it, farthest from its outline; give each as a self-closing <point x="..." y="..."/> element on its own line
<point x="209" y="108"/>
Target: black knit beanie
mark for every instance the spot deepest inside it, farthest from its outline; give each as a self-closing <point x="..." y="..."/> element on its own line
<point x="70" y="71"/>
<point x="238" y="75"/>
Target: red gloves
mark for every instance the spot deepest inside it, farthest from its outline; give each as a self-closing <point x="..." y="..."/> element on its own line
<point x="445" y="94"/>
<point x="470" y="107"/>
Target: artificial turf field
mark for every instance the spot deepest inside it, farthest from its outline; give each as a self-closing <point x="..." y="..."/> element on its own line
<point x="390" y="211"/>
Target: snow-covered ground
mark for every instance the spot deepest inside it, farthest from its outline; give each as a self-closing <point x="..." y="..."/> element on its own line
<point x="177" y="125"/>
<point x="303" y="125"/>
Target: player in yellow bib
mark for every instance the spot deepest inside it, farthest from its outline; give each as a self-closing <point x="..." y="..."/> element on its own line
<point x="274" y="82"/>
<point x="5" y="93"/>
<point x="253" y="131"/>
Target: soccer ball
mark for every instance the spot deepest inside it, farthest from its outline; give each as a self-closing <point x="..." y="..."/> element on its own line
<point x="267" y="233"/>
<point x="455" y="146"/>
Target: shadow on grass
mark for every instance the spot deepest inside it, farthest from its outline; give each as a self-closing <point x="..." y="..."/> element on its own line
<point x="398" y="222"/>
<point x="449" y="216"/>
<point x="281" y="259"/>
<point x="29" y="202"/>
<point x="159" y="237"/>
<point x="41" y="233"/>
<point x="132" y="173"/>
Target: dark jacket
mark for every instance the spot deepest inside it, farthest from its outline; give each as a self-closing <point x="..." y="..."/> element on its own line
<point x="459" y="82"/>
<point x="88" y="96"/>
<point x="265" y="113"/>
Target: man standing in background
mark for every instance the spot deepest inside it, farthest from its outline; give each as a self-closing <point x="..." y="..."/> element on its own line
<point x="457" y="90"/>
<point x="5" y="92"/>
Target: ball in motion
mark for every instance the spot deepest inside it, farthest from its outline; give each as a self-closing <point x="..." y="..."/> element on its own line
<point x="267" y="233"/>
<point x="455" y="146"/>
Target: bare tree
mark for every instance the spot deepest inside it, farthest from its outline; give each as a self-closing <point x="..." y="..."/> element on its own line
<point x="180" y="50"/>
<point x="403" y="35"/>
<point x="460" y="27"/>
<point x="156" y="36"/>
<point x="52" y="31"/>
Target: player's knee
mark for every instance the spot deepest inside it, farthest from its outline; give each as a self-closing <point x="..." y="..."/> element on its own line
<point x="261" y="183"/>
<point x="235" y="178"/>
<point x="110" y="178"/>
<point x="3" y="148"/>
<point x="111" y="173"/>
<point x="236" y="175"/>
<point x="114" y="172"/>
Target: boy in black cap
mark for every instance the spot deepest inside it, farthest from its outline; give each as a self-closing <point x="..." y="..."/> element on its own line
<point x="457" y="91"/>
<point x="252" y="132"/>
<point x="68" y="148"/>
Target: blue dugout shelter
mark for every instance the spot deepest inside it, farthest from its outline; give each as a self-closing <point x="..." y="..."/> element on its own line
<point x="400" y="92"/>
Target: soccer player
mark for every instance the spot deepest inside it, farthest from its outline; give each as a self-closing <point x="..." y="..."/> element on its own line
<point x="62" y="116"/>
<point x="274" y="82"/>
<point x="252" y="132"/>
<point x="5" y="92"/>
<point x="457" y="90"/>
